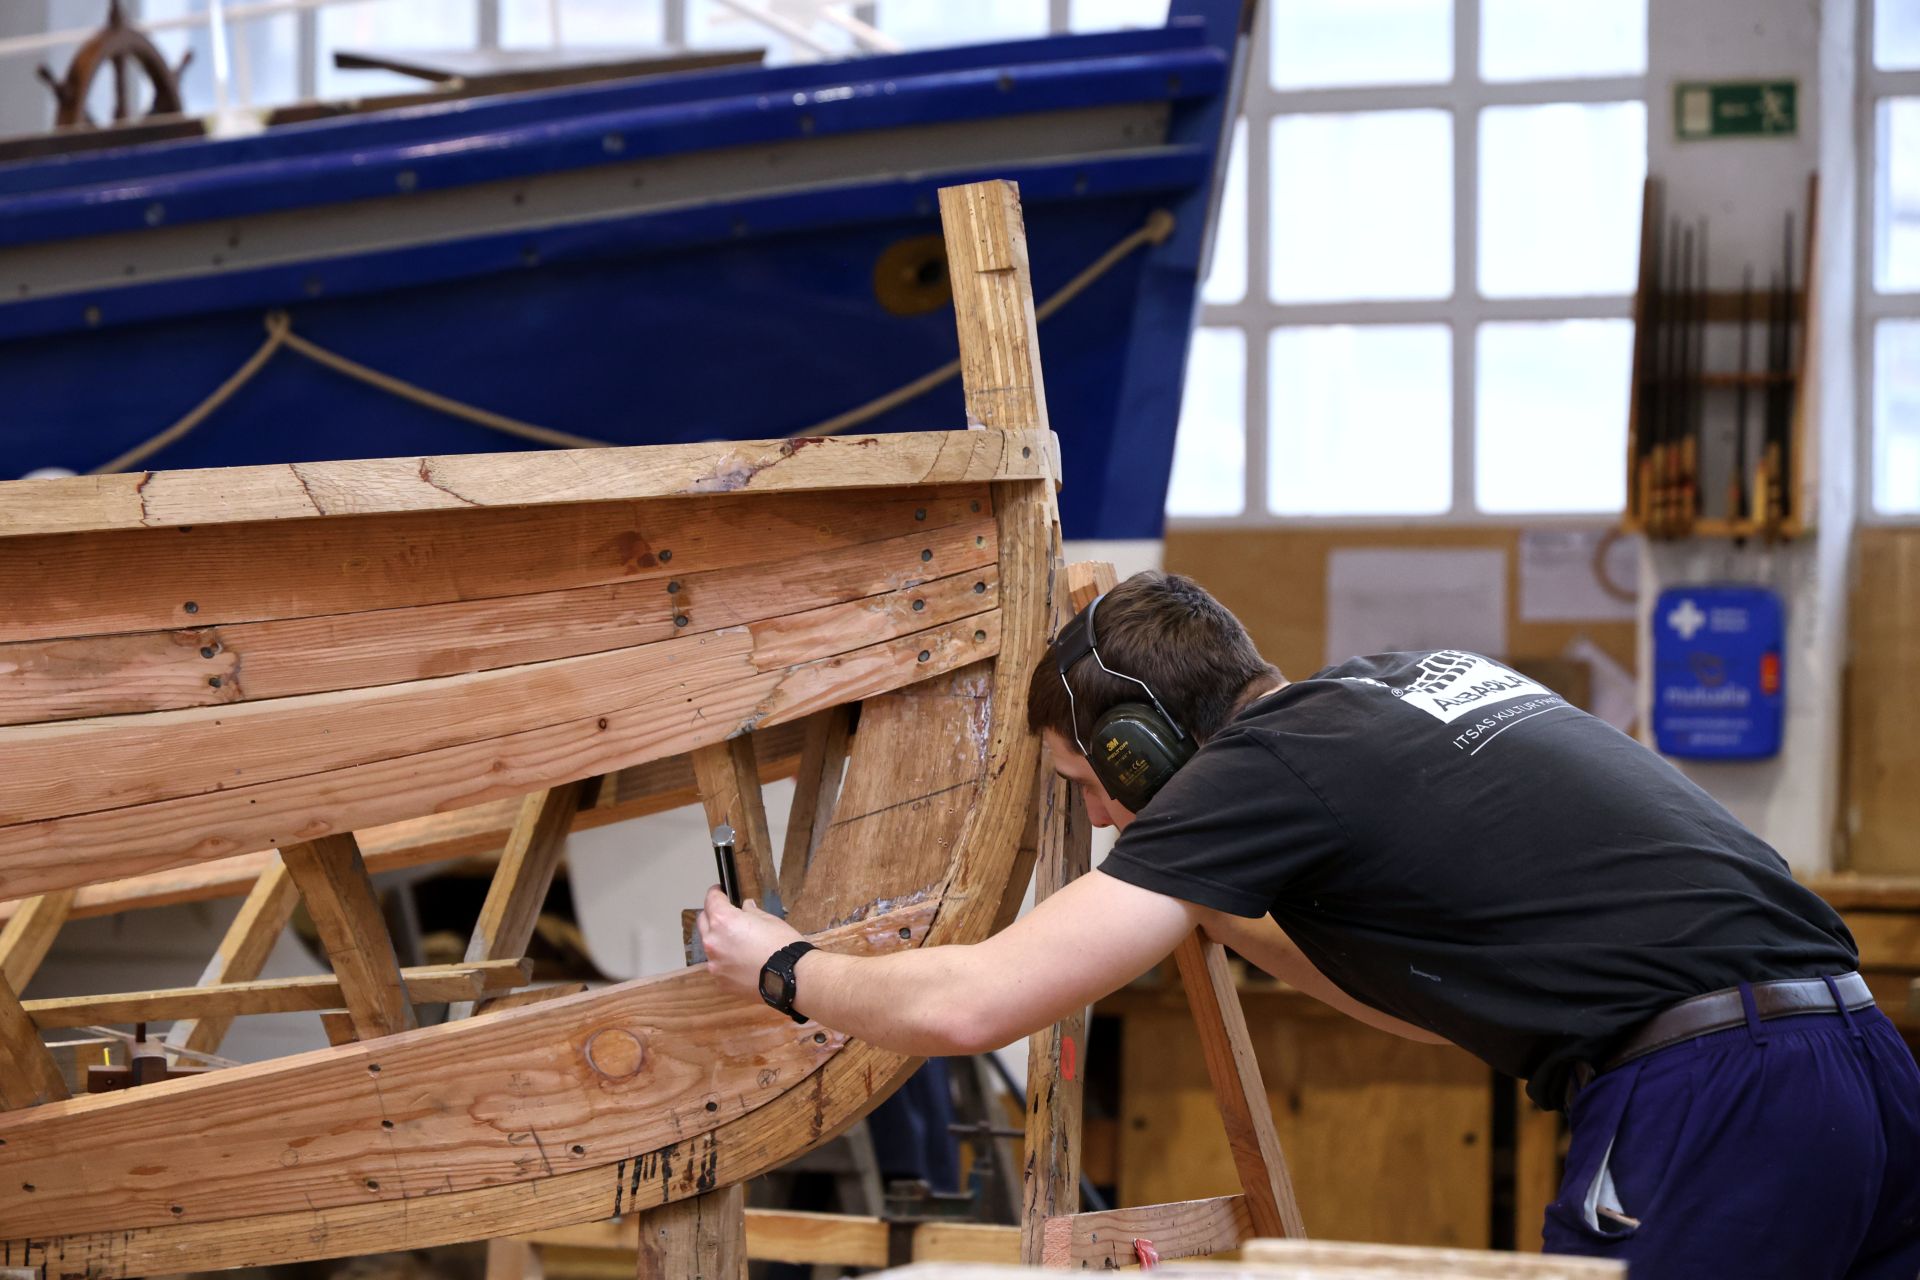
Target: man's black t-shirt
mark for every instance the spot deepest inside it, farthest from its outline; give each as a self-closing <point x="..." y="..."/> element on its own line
<point x="1462" y="848"/>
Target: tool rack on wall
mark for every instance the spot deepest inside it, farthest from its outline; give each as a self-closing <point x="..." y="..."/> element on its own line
<point x="1716" y="451"/>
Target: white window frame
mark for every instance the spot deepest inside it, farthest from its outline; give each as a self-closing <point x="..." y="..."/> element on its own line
<point x="1873" y="306"/>
<point x="1256" y="315"/>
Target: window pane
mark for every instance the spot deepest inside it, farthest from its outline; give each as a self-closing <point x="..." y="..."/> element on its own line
<point x="1896" y="34"/>
<point x="921" y="24"/>
<point x="1227" y="278"/>
<point x="1551" y="425"/>
<point x="712" y="25"/>
<point x="1897" y="196"/>
<point x="1362" y="206"/>
<point x="1557" y="39"/>
<point x="1106" y="15"/>
<point x="263" y="56"/>
<point x="1317" y="43"/>
<point x="389" y="26"/>
<point x="1210" y="453"/>
<point x="1896" y="417"/>
<point x="1359" y="420"/>
<point x="1560" y="198"/>
<point x="528" y="24"/>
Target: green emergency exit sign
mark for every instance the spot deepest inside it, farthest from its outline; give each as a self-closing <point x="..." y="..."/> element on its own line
<point x="1736" y="109"/>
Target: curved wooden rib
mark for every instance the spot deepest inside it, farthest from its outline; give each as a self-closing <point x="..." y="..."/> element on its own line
<point x="437" y="1145"/>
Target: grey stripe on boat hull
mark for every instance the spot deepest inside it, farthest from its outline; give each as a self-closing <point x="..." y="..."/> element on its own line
<point x="581" y="195"/>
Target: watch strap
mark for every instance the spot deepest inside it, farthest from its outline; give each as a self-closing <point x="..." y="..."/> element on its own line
<point x="781" y="963"/>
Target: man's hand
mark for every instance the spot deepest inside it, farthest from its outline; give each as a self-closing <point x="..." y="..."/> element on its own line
<point x="738" y="940"/>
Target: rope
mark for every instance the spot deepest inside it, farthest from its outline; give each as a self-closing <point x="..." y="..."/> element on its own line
<point x="1157" y="228"/>
<point x="276" y="335"/>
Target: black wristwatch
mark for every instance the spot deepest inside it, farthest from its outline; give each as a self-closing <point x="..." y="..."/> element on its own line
<point x="776" y="978"/>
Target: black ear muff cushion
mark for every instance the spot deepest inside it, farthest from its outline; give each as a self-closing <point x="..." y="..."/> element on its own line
<point x="1134" y="751"/>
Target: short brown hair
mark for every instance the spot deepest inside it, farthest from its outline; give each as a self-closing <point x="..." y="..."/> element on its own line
<point x="1162" y="629"/>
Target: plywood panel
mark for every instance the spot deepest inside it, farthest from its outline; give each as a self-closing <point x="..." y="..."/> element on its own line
<point x="1275" y="580"/>
<point x="1882" y="729"/>
<point x="1387" y="1140"/>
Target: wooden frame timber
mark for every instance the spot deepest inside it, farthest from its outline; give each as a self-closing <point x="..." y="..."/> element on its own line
<point x="345" y="666"/>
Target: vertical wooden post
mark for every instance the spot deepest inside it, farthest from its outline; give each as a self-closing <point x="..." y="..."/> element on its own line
<point x="703" y="1237"/>
<point x="727" y="775"/>
<point x="520" y="882"/>
<point x="1055" y="1056"/>
<point x="1221" y="1026"/>
<point x="510" y="1259"/>
<point x="242" y="953"/>
<point x="339" y="895"/>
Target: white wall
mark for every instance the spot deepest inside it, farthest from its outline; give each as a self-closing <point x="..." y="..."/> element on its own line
<point x="1743" y="186"/>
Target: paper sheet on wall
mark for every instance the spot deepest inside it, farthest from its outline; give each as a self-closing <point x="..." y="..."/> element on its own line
<point x="1558" y="582"/>
<point x="1380" y="600"/>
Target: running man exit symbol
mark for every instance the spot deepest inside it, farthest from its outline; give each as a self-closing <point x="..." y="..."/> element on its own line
<point x="1687" y="619"/>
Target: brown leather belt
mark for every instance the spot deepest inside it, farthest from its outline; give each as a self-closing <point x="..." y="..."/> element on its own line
<point x="1723" y="1010"/>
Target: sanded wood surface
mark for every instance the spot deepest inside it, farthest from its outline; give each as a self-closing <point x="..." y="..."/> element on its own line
<point x="1221" y="1028"/>
<point x="409" y="1118"/>
<point x="97" y="675"/>
<point x="147" y="758"/>
<point x="723" y="694"/>
<point x="1881" y="753"/>
<point x="532" y="995"/>
<point x="242" y="953"/>
<point x="1103" y="1241"/>
<point x="422" y="984"/>
<point x="521" y="880"/>
<point x="219" y="575"/>
<point x="338" y="894"/>
<point x="826" y="1239"/>
<point x="302" y="490"/>
<point x="479" y="831"/>
<point x="703" y="1237"/>
<point x="1341" y="1258"/>
<point x="729" y="780"/>
<point x="29" y="934"/>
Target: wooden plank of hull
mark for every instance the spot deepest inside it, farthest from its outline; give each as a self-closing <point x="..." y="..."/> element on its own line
<point x="217" y="575"/>
<point x="850" y="1083"/>
<point x="723" y="693"/>
<point x="639" y="791"/>
<point x="913" y="772"/>
<point x="83" y="766"/>
<point x="44" y="680"/>
<point x="302" y="490"/>
<point x="513" y="1098"/>
<point x="425" y="984"/>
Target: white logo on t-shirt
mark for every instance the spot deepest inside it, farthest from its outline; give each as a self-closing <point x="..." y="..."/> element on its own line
<point x="1452" y="683"/>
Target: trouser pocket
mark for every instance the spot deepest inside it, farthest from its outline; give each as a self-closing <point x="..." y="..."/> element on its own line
<point x="1589" y="1208"/>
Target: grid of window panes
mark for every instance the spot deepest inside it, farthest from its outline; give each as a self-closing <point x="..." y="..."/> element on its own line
<point x="1890" y="293"/>
<point x="1430" y="318"/>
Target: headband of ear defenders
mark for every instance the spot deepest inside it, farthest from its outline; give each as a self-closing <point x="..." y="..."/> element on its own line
<point x="1076" y="641"/>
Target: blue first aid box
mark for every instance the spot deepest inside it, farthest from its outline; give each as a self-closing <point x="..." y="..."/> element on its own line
<point x="1719" y="683"/>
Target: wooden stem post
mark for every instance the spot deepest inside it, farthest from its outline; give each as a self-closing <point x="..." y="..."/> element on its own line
<point x="703" y="1237"/>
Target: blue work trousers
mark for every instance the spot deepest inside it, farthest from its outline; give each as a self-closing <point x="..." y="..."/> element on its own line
<point x="1788" y="1148"/>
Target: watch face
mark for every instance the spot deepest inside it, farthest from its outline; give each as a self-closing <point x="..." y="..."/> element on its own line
<point x="771" y="987"/>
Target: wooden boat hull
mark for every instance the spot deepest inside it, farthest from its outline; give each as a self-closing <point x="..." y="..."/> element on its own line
<point x="203" y="665"/>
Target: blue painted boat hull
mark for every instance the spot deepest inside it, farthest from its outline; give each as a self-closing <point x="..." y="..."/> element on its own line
<point x="748" y="313"/>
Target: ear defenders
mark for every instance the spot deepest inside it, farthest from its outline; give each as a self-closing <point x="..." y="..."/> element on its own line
<point x="1135" y="747"/>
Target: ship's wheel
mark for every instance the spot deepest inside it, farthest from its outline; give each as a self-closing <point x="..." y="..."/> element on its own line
<point x="125" y="46"/>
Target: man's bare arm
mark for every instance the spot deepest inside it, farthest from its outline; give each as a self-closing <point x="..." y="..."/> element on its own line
<point x="1090" y="938"/>
<point x="1265" y="944"/>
